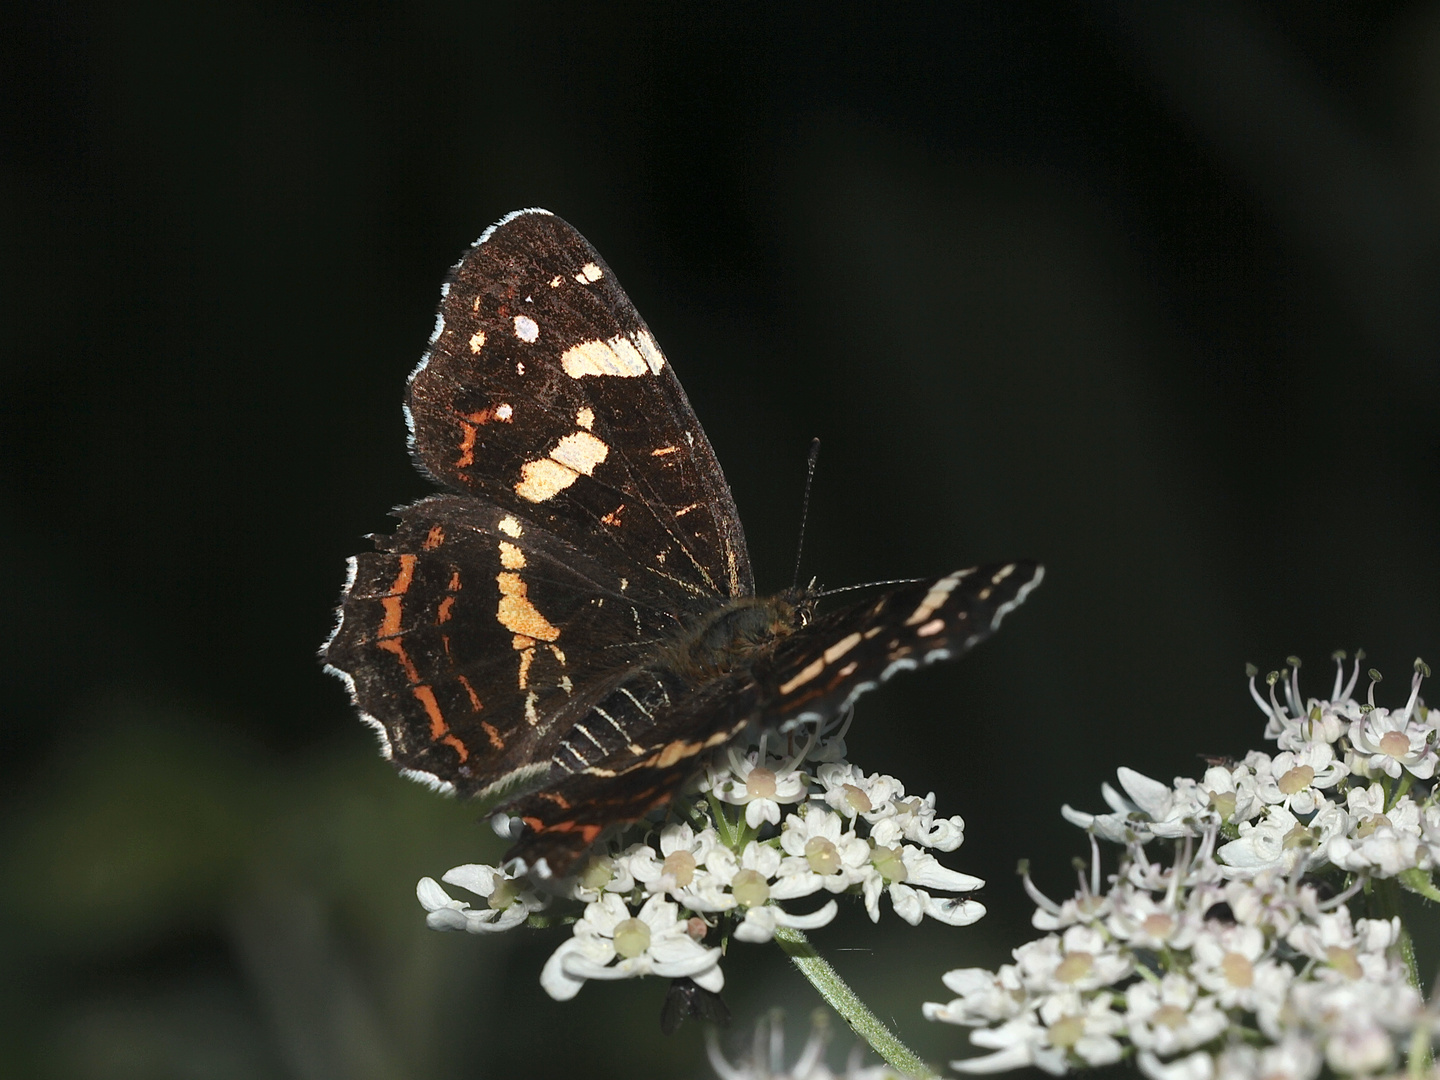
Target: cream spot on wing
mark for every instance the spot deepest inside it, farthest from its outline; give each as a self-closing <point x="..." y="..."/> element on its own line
<point x="1001" y="574"/>
<point x="555" y="281"/>
<point x="511" y="557"/>
<point x="935" y="597"/>
<point x="510" y="527"/>
<point x="588" y="273"/>
<point x="544" y="479"/>
<point x="648" y="349"/>
<point x="516" y="613"/>
<point x="848" y="670"/>
<point x="519" y="367"/>
<point x="580" y="451"/>
<point x="504" y="412"/>
<point x="808" y="672"/>
<point x="585" y="418"/>
<point x="931" y="628"/>
<point x="477" y="341"/>
<point x="531" y="717"/>
<point x="624" y="355"/>
<point x="526" y="328"/>
<point x="685" y="510"/>
<point x="661" y="451"/>
<point x="841" y="647"/>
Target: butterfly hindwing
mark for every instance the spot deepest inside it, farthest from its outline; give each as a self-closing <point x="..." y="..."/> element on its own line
<point x="456" y="634"/>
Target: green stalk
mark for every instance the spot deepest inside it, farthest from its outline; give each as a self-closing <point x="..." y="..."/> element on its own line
<point x="844" y="1001"/>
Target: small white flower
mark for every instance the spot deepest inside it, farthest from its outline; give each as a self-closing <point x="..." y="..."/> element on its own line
<point x="509" y="901"/>
<point x="820" y="854"/>
<point x="761" y="788"/>
<point x="691" y="868"/>
<point x="1391" y="743"/>
<point x="1294" y="1057"/>
<point x="1079" y="959"/>
<point x="1083" y="1028"/>
<point x="1385" y="844"/>
<point x="1016" y="1043"/>
<point x="1171" y="1016"/>
<point x="907" y="874"/>
<point x="852" y="793"/>
<point x="1352" y="951"/>
<point x="986" y="997"/>
<point x="1230" y="962"/>
<point x="1147" y="809"/>
<point x="1138" y="918"/>
<point x="1233" y="792"/>
<point x="1270" y="902"/>
<point x="1295" y="778"/>
<point x="914" y="819"/>
<point x="654" y="941"/>
<point x="758" y="925"/>
<point x="595" y="876"/>
<point x="1276" y="841"/>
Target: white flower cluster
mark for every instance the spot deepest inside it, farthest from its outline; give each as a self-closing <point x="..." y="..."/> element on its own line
<point x="761" y="833"/>
<point x="1244" y="958"/>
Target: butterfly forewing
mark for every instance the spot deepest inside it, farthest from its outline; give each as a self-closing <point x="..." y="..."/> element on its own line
<point x="545" y="392"/>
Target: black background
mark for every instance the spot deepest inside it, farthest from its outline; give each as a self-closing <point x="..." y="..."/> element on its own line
<point x="1146" y="291"/>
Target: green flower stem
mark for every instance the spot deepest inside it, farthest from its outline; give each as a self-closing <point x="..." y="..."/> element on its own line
<point x="843" y="1000"/>
<point x="1385" y="902"/>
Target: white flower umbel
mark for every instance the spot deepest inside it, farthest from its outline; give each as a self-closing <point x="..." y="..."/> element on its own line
<point x="1268" y="942"/>
<point x="762" y="850"/>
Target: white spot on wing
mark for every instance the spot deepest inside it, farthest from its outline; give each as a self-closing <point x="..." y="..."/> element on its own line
<point x="503" y="411"/>
<point x="477" y="341"/>
<point x="510" y="527"/>
<point x="585" y="418"/>
<point x="526" y="328"/>
<point x="589" y="273"/>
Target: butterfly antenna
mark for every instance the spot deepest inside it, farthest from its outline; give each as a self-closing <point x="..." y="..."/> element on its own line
<point x="868" y="585"/>
<point x="805" y="509"/>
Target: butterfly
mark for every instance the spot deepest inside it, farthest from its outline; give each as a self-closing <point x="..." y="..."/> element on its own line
<point x="568" y="629"/>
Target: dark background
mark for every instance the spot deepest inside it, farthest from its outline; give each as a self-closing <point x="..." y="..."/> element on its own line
<point x="1147" y="291"/>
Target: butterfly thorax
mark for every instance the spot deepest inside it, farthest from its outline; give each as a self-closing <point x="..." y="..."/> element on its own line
<point x="730" y="636"/>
